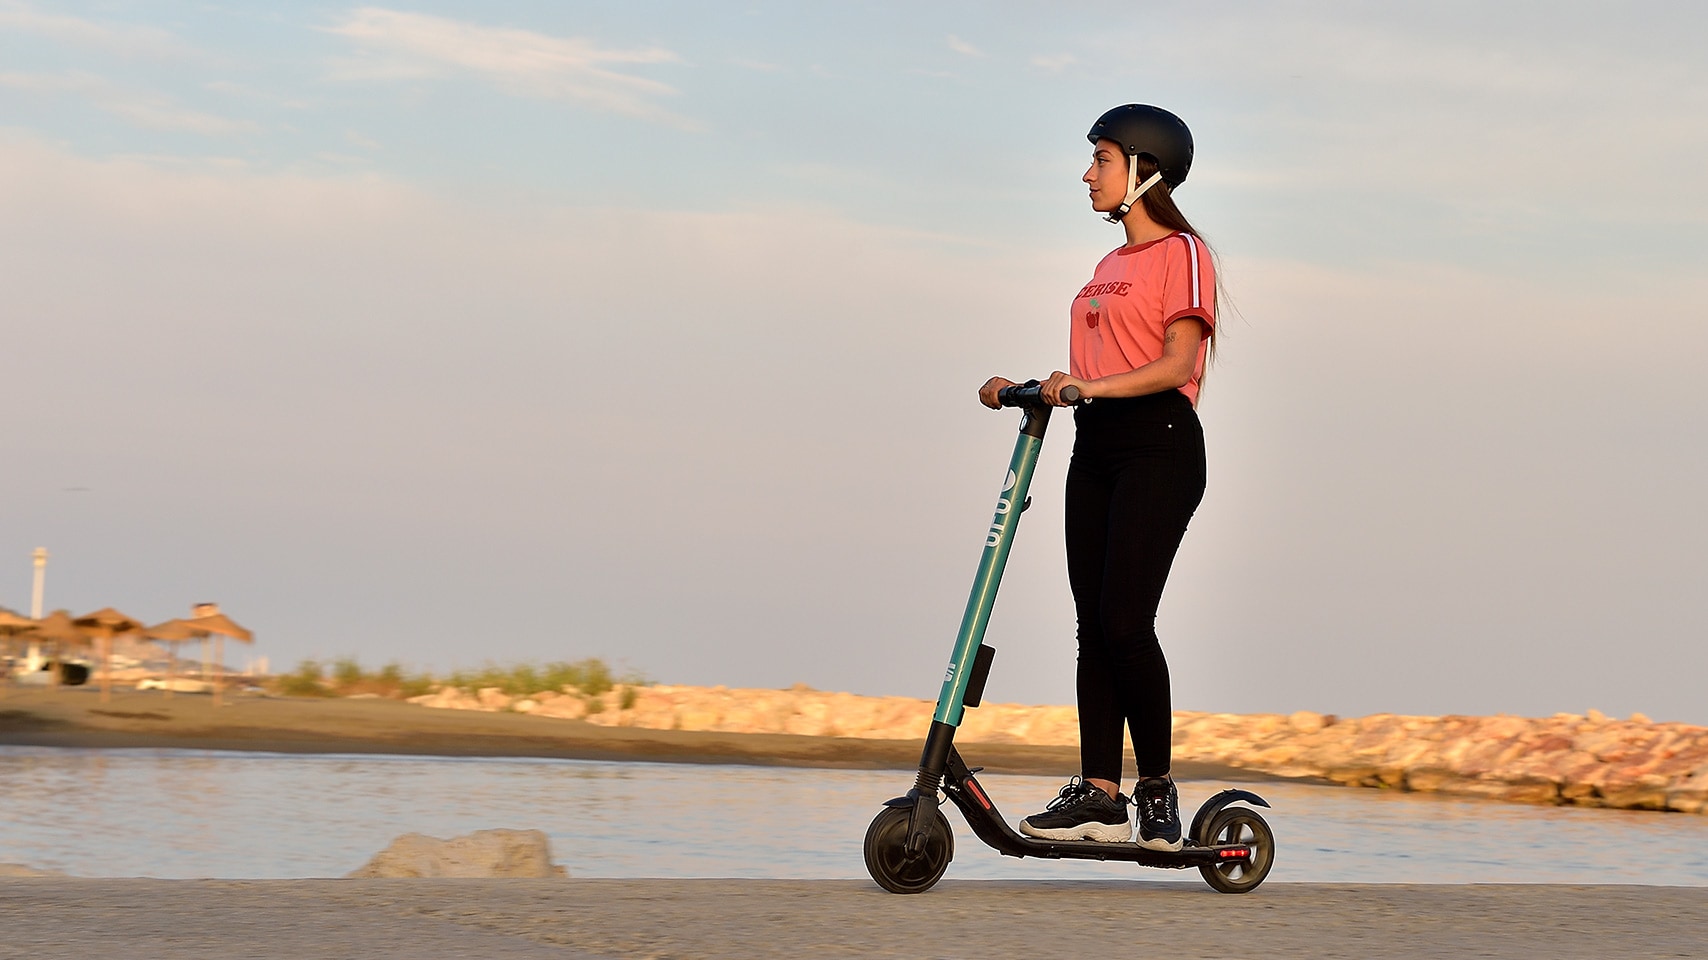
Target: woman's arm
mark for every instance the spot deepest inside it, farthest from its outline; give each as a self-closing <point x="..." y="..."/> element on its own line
<point x="1168" y="372"/>
<point x="993" y="386"/>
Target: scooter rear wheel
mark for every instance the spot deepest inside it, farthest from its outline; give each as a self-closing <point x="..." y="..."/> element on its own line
<point x="889" y="862"/>
<point x="1240" y="825"/>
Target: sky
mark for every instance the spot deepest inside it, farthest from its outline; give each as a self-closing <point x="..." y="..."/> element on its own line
<point x="450" y="333"/>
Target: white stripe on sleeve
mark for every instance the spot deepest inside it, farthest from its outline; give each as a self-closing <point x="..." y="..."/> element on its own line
<point x="1192" y="248"/>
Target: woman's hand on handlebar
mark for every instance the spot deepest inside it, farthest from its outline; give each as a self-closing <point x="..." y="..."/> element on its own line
<point x="1051" y="389"/>
<point x="988" y="392"/>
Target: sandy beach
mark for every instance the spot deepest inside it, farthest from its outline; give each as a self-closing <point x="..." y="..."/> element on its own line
<point x="48" y="919"/>
<point x="76" y="718"/>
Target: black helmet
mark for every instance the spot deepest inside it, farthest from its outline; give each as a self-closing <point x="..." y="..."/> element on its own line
<point x="1144" y="129"/>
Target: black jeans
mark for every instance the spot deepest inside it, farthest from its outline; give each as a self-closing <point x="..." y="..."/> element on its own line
<point x="1136" y="477"/>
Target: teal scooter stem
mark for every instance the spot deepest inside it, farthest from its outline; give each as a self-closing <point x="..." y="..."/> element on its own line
<point x="969" y="664"/>
<point x="957" y="680"/>
<point x="909" y="844"/>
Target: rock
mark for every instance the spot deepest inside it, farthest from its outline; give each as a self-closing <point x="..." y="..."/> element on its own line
<point x="13" y="870"/>
<point x="447" y="698"/>
<point x="482" y="854"/>
<point x="1532" y="790"/>
<point x="1688" y="800"/>
<point x="176" y="685"/>
<point x="1305" y="721"/>
<point x="564" y="707"/>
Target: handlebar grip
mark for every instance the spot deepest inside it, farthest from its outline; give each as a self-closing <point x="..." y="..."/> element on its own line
<point x="1030" y="394"/>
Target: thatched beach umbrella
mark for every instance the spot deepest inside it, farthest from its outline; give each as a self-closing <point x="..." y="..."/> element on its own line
<point x="59" y="629"/>
<point x="219" y="626"/>
<point x="105" y="624"/>
<point x="173" y="632"/>
<point x="13" y="624"/>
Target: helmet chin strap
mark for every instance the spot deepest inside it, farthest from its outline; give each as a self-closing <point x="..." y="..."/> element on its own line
<point x="1135" y="190"/>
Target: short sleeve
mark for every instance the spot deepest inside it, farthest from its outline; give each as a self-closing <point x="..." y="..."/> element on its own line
<point x="1189" y="282"/>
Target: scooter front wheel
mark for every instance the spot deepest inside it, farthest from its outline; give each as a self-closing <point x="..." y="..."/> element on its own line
<point x="888" y="860"/>
<point x="1240" y="825"/>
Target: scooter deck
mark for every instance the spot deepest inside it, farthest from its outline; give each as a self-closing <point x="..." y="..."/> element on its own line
<point x="964" y="790"/>
<point x="1189" y="855"/>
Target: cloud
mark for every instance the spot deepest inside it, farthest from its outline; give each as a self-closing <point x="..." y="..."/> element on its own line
<point x="519" y="62"/>
<point x="125" y="39"/>
<point x="759" y="66"/>
<point x="240" y="91"/>
<point x="1054" y="62"/>
<point x="964" y="48"/>
<point x="140" y="108"/>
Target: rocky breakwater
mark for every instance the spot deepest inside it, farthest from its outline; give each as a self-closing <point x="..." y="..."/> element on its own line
<point x="1589" y="760"/>
<point x="799" y="710"/>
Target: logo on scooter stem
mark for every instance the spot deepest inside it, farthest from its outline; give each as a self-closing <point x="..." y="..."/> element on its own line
<point x="1003" y="505"/>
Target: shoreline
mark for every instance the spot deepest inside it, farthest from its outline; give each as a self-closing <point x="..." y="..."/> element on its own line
<point x="1590" y="760"/>
<point x="75" y="719"/>
<point x="54" y="918"/>
<point x="1564" y="760"/>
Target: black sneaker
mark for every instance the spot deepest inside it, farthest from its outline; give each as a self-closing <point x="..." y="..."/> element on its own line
<point x="1159" y="813"/>
<point x="1081" y="812"/>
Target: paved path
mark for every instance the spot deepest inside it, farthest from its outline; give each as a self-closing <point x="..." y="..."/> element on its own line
<point x="50" y="918"/>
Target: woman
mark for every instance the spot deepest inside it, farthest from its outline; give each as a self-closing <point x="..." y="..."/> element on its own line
<point x="1142" y="330"/>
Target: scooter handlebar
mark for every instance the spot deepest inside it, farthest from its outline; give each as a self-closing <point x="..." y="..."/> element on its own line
<point x="1030" y="394"/>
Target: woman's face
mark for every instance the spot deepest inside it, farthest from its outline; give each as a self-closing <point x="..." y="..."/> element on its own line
<point x="1107" y="176"/>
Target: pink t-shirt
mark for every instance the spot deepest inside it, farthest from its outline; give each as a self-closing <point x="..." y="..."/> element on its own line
<point x="1120" y="317"/>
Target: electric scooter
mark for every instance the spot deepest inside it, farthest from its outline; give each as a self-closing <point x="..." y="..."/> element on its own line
<point x="909" y="844"/>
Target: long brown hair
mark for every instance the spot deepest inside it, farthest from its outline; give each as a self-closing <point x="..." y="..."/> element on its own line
<point x="1159" y="204"/>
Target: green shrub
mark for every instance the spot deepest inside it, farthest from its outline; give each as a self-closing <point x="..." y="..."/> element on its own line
<point x="592" y="678"/>
<point x="523" y="680"/>
<point x="489" y="675"/>
<point x="304" y="681"/>
<point x="346" y="673"/>
<point x="418" y="685"/>
<point x="597" y="677"/>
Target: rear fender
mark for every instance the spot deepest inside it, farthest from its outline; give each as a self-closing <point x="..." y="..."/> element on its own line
<point x="1213" y="806"/>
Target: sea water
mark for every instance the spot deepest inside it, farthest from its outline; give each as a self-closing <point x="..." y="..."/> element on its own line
<point x="189" y="813"/>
